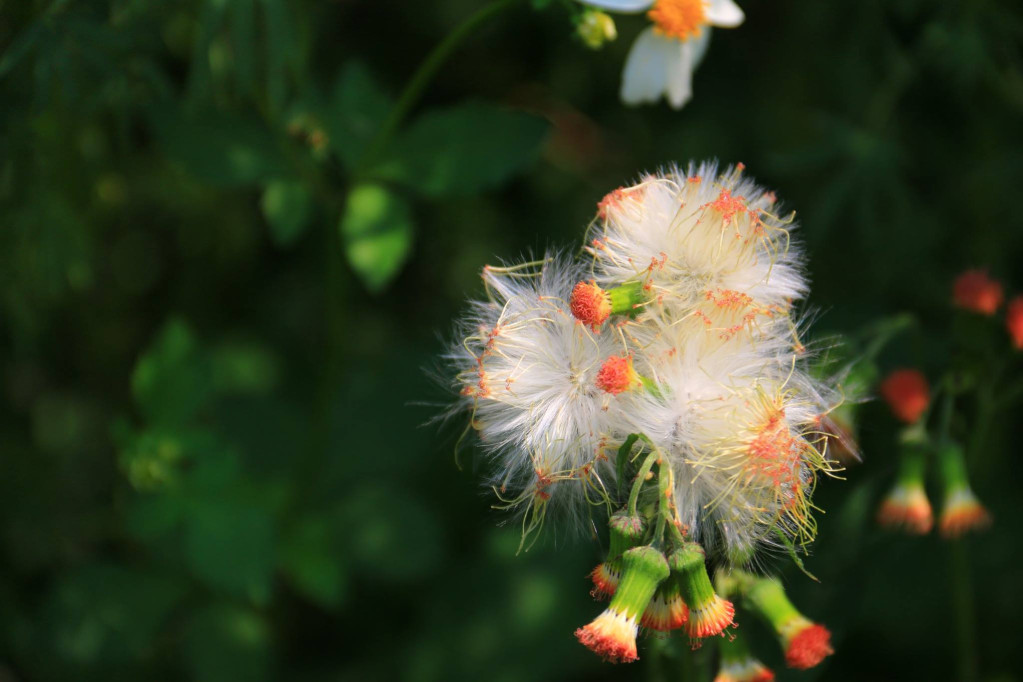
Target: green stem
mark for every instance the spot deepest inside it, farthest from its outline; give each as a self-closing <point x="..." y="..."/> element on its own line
<point x="966" y="639"/>
<point x="422" y="77"/>
<point x="648" y="464"/>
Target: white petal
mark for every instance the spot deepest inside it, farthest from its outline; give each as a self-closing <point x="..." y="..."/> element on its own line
<point x="620" y="5"/>
<point x="646" y="67"/>
<point x="699" y="46"/>
<point x="724" y="13"/>
<point x="680" y="76"/>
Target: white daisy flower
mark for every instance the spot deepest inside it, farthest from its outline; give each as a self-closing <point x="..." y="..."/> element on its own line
<point x="664" y="56"/>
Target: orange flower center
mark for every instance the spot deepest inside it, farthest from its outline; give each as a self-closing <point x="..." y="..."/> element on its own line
<point x="680" y="19"/>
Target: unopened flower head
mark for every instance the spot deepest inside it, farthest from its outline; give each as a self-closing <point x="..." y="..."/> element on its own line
<point x="804" y="642"/>
<point x="612" y="634"/>
<point x="906" y="506"/>
<point x="975" y="291"/>
<point x="664" y="56"/>
<point x="961" y="511"/>
<point x="907" y="393"/>
<point x="1014" y="321"/>
<point x="738" y="664"/>
<point x="709" y="613"/>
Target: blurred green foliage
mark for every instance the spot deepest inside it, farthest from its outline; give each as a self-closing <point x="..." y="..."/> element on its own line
<point x="217" y="299"/>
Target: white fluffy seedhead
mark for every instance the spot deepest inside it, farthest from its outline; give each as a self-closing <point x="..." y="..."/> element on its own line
<point x="526" y="370"/>
<point x="708" y="366"/>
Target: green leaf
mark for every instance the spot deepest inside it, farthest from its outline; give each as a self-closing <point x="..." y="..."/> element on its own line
<point x="287" y="207"/>
<point x="229" y="544"/>
<point x="462" y="150"/>
<point x="219" y="148"/>
<point x="376" y="229"/>
<point x="310" y="560"/>
<point x="358" y="105"/>
<point x="171" y="382"/>
<point x="108" y="612"/>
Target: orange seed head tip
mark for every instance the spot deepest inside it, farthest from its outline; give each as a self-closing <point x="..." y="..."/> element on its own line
<point x="590" y="304"/>
<point x="617" y="375"/>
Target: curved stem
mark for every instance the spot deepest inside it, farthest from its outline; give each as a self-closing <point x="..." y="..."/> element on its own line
<point x="641" y="475"/>
<point x="422" y="77"/>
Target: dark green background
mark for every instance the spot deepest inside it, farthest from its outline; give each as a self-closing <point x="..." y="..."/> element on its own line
<point x="214" y="459"/>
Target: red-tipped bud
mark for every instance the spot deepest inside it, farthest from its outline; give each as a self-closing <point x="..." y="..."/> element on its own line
<point x="810" y="645"/>
<point x="1014" y="321"/>
<point x="906" y="506"/>
<point x="907" y="394"/>
<point x="617" y="375"/>
<point x="612" y="634"/>
<point x="590" y="304"/>
<point x="625" y="532"/>
<point x="805" y="643"/>
<point x="962" y="511"/>
<point x="962" y="514"/>
<point x="709" y="614"/>
<point x="605" y="578"/>
<point x="973" y="290"/>
<point x="739" y="665"/>
<point x="667" y="610"/>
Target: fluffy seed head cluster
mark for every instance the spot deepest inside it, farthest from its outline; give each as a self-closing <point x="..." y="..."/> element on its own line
<point x="708" y="365"/>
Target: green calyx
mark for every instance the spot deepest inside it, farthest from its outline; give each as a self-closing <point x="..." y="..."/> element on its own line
<point x="643" y="569"/>
<point x="952" y="467"/>
<point x="912" y="464"/>
<point x="767" y="597"/>
<point x="626" y="531"/>
<point x="689" y="566"/>
<point x="627" y="298"/>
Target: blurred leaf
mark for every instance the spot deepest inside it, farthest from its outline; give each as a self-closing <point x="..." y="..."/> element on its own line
<point x="399" y="540"/>
<point x="220" y="148"/>
<point x="287" y="207"/>
<point x="171" y="382"/>
<point x="243" y="367"/>
<point x="463" y="149"/>
<point x="229" y="543"/>
<point x="358" y="105"/>
<point x="226" y="643"/>
<point x="376" y="229"/>
<point x="105" y="611"/>
<point x="313" y="564"/>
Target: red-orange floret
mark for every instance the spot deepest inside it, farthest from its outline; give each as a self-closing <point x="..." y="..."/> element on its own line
<point x="590" y="304"/>
<point x="617" y="375"/>
<point x="1014" y="321"/>
<point x="907" y="393"/>
<point x="809" y="647"/>
<point x="975" y="291"/>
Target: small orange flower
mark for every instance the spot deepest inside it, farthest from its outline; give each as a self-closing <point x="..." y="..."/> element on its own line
<point x="590" y="304"/>
<point x="617" y="375"/>
<point x="975" y="291"/>
<point x="1014" y="321"/>
<point x="907" y="394"/>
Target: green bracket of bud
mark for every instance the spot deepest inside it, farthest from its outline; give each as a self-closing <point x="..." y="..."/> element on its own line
<point x="644" y="568"/>
<point x="627" y="298"/>
<point x="952" y="467"/>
